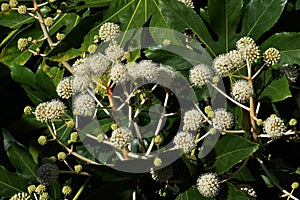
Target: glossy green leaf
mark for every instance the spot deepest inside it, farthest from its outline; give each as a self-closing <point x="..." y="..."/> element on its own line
<point x="272" y="86"/>
<point x="13" y="19"/>
<point x="55" y="190"/>
<point x="244" y="175"/>
<point x="297" y="4"/>
<point x="230" y="150"/>
<point x="260" y="16"/>
<point x="23" y="161"/>
<point x="190" y="194"/>
<point x="10" y="183"/>
<point x="224" y="17"/>
<point x="287" y="43"/>
<point x="235" y="194"/>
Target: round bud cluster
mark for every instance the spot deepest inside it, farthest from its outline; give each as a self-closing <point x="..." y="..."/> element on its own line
<point x="66" y="190"/>
<point x="248" y="48"/>
<point x="118" y="73"/>
<point x="82" y="82"/>
<point x="42" y="140"/>
<point x="23" y="44"/>
<point x="121" y="137"/>
<point x="114" y="51"/>
<point x="31" y="189"/>
<point x="291" y="72"/>
<point x="274" y="126"/>
<point x="222" y="119"/>
<point x="109" y="31"/>
<point x="248" y="190"/>
<point x="147" y="70"/>
<point x="40" y="189"/>
<point x="208" y="185"/>
<point x="65" y="88"/>
<point x="48" y="21"/>
<point x="98" y="64"/>
<point x="44" y="196"/>
<point x="162" y="175"/>
<point x="241" y="91"/>
<point x="188" y="3"/>
<point x="61" y="156"/>
<point x="49" y="111"/>
<point x="13" y="3"/>
<point x="78" y="168"/>
<point x="293" y="122"/>
<point x="199" y="75"/>
<point x="22" y="9"/>
<point x="157" y="162"/>
<point x="60" y="36"/>
<point x="92" y="48"/>
<point x="84" y="105"/>
<point x="80" y="67"/>
<point x="236" y="58"/>
<point x="27" y="110"/>
<point x="20" y="196"/>
<point x="271" y="56"/>
<point x="192" y="120"/>
<point x="184" y="141"/>
<point x="4" y="7"/>
<point x="47" y="173"/>
<point x="223" y="65"/>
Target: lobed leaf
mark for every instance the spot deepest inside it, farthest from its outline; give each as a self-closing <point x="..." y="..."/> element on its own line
<point x="190" y="194"/>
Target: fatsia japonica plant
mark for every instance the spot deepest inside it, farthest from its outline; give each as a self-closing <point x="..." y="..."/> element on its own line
<point x="149" y="99"/>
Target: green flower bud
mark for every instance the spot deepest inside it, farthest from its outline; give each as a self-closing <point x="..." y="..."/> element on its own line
<point x="157" y="162"/>
<point x="40" y="189"/>
<point x="92" y="48"/>
<point x="66" y="190"/>
<point x="42" y="140"/>
<point x="114" y="126"/>
<point x="13" y="3"/>
<point x="158" y="140"/>
<point x="60" y="36"/>
<point x="295" y="185"/>
<point x="127" y="55"/>
<point x="61" y="156"/>
<point x="22" y="44"/>
<point x="31" y="189"/>
<point x="52" y="159"/>
<point x="210" y="114"/>
<point x="27" y="110"/>
<point x="70" y="124"/>
<point x="4" y="7"/>
<point x="213" y="131"/>
<point x="22" y="9"/>
<point x="77" y="168"/>
<point x="74" y="136"/>
<point x="293" y="122"/>
<point x="215" y="79"/>
<point x="259" y="122"/>
<point x="48" y="21"/>
<point x="100" y="138"/>
<point x="44" y="196"/>
<point x="207" y="109"/>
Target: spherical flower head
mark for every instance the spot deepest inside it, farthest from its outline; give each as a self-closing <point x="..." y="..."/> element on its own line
<point x="222" y="119"/>
<point x="40" y="189"/>
<point x="47" y="173"/>
<point x="157" y="162"/>
<point x="109" y="31"/>
<point x="188" y="3"/>
<point x="118" y="73"/>
<point x="23" y="44"/>
<point x="121" y="137"/>
<point x="291" y="72"/>
<point x="236" y="58"/>
<point x="44" y="196"/>
<point x="13" y="3"/>
<point x="114" y="51"/>
<point x="48" y="21"/>
<point x="4" y="7"/>
<point x="40" y="112"/>
<point x="81" y="67"/>
<point x="42" y="140"/>
<point x="60" y="36"/>
<point x="223" y="65"/>
<point x="31" y="189"/>
<point x="27" y="110"/>
<point x="199" y="75"/>
<point x="66" y="190"/>
<point x="22" y="9"/>
<point x="82" y="83"/>
<point x="274" y="126"/>
<point x="61" y="156"/>
<point x="147" y="70"/>
<point x="248" y="190"/>
<point x="184" y="141"/>
<point x="192" y="120"/>
<point x="20" y="196"/>
<point x="208" y="185"/>
<point x="241" y="91"/>
<point x="55" y="109"/>
<point x="65" y="88"/>
<point x="84" y="105"/>
<point x="271" y="56"/>
<point x="244" y="42"/>
<point x="98" y="64"/>
<point x="78" y="168"/>
<point x="162" y="175"/>
<point x="251" y="53"/>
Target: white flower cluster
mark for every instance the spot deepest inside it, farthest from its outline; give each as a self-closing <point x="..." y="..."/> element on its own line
<point x="248" y="190"/>
<point x="208" y="185"/>
<point x="50" y="111"/>
<point x="84" y="105"/>
<point x="65" y="88"/>
<point x="274" y="126"/>
<point x="20" y="196"/>
<point x="222" y="119"/>
<point x="199" y="75"/>
<point x="188" y="3"/>
<point x="184" y="141"/>
<point x="271" y="56"/>
<point x="291" y="72"/>
<point x="121" y="137"/>
<point x="241" y="91"/>
<point x="109" y="31"/>
<point x="192" y="120"/>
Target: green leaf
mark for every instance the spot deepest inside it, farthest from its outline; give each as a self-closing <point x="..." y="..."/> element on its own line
<point x="244" y="175"/>
<point x="297" y="4"/>
<point x="11" y="183"/>
<point x="79" y="5"/>
<point x="235" y="194"/>
<point x="23" y="161"/>
<point x="272" y="86"/>
<point x="224" y="17"/>
<point x="190" y="194"/>
<point x="13" y="19"/>
<point x="260" y="16"/>
<point x="287" y="43"/>
<point x="55" y="190"/>
<point x="230" y="150"/>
